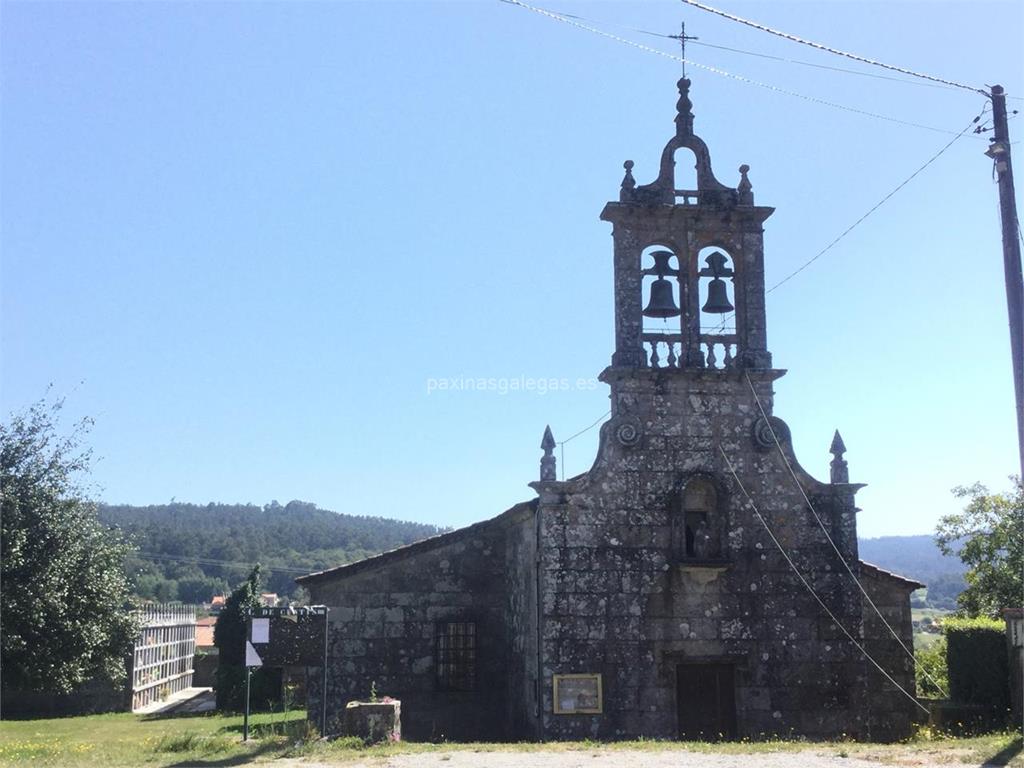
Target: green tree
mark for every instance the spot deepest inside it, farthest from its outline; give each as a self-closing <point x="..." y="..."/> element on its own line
<point x="229" y="631"/>
<point x="930" y="668"/>
<point x="229" y="635"/>
<point x="991" y="545"/>
<point x="65" y="595"/>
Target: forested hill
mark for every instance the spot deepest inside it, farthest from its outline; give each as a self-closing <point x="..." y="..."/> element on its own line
<point x="918" y="557"/>
<point x="190" y="552"/>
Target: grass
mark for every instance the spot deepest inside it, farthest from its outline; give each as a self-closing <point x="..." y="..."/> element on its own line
<point x="925" y="639"/>
<point x="127" y="740"/>
<point x="121" y="740"/>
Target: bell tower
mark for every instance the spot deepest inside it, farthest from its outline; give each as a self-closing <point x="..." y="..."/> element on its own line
<point x="689" y="264"/>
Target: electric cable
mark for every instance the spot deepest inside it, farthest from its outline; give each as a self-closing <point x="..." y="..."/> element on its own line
<point x="561" y="444"/>
<point x="829" y="49"/>
<point x="828" y="537"/>
<point x="694" y="41"/>
<point x="859" y="221"/>
<point x="832" y="616"/>
<point x="212" y="561"/>
<point x="721" y="72"/>
<point x="875" y="207"/>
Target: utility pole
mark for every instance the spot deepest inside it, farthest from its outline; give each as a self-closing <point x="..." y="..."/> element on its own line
<point x="999" y="151"/>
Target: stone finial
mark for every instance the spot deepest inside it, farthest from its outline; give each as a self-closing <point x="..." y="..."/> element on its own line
<point x="840" y="472"/>
<point x="684" y="118"/>
<point x="548" y="470"/>
<point x="628" y="183"/>
<point x="746" y="196"/>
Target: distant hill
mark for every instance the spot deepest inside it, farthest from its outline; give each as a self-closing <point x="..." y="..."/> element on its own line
<point x="190" y="552"/>
<point x="918" y="557"/>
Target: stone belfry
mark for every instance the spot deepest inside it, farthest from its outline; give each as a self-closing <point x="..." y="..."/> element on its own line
<point x="701" y="246"/>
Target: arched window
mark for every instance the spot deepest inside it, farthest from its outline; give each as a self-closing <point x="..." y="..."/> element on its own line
<point x="696" y="525"/>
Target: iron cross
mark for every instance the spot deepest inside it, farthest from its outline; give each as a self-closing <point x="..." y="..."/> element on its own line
<point x="682" y="38"/>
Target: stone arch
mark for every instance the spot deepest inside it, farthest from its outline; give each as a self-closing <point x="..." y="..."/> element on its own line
<point x="699" y="519"/>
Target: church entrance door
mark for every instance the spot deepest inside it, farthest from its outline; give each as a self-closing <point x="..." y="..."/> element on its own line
<point x="706" y="702"/>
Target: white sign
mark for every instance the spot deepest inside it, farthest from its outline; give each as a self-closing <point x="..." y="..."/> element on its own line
<point x="261" y="630"/>
<point x="252" y="659"/>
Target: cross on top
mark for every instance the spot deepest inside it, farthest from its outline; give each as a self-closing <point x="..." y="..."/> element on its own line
<point x="682" y="37"/>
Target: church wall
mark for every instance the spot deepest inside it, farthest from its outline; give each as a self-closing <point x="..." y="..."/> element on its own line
<point x="619" y="603"/>
<point x="522" y="627"/>
<point x="892" y="714"/>
<point x="383" y="630"/>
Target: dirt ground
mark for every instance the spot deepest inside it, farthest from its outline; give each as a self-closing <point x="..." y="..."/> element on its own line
<point x="599" y="758"/>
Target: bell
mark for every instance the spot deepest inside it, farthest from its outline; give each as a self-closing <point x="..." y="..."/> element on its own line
<point x="718" y="298"/>
<point x="663" y="302"/>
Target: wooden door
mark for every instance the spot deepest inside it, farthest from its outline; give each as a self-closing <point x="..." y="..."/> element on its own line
<point x="706" y="702"/>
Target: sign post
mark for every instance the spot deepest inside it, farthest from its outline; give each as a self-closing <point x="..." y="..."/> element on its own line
<point x="245" y="720"/>
<point x="323" y="692"/>
<point x="252" y="659"/>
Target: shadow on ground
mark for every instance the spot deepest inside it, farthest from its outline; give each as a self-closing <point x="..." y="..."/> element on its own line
<point x="225" y="762"/>
<point x="1005" y="755"/>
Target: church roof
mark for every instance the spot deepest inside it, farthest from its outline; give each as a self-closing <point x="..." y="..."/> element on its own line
<point x="874" y="570"/>
<point x="424" y="545"/>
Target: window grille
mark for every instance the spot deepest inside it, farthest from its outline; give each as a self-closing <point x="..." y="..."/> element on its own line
<point x="456" y="656"/>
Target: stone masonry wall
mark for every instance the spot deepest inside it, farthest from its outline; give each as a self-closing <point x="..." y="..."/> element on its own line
<point x="521" y="557"/>
<point x="892" y="713"/>
<point x="617" y="603"/>
<point x="383" y="622"/>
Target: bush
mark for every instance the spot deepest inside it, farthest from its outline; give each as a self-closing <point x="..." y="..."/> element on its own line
<point x="976" y="658"/>
<point x="931" y="670"/>
<point x="264" y="688"/>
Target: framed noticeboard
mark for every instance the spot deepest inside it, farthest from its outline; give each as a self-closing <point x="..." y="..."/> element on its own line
<point x="285" y="637"/>
<point x="578" y="694"/>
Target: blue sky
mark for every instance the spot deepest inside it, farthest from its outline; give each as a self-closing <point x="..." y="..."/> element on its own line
<point x="246" y="237"/>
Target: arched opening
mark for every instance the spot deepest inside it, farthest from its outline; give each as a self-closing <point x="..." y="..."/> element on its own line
<point x="717" y="291"/>
<point x="661" y="297"/>
<point x="684" y="176"/>
<point x="697" y="524"/>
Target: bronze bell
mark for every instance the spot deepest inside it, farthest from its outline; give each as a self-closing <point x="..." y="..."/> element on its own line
<point x="663" y="302"/>
<point x="718" y="298"/>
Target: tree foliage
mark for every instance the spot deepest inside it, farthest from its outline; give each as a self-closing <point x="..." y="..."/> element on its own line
<point x="931" y="671"/>
<point x="229" y="631"/>
<point x="65" y="596"/>
<point x="991" y="545"/>
<point x="190" y="552"/>
<point x="229" y="635"/>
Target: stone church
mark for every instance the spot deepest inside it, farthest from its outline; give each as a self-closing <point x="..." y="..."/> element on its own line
<point x="695" y="583"/>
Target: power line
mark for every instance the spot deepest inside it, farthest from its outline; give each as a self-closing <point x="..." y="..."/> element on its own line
<point x="875" y="207"/>
<point x="721" y="72"/>
<point x="586" y="429"/>
<point x="212" y="561"/>
<point x="561" y="445"/>
<point x="859" y="221"/>
<point x="783" y="59"/>
<point x="824" y="530"/>
<point x="826" y="67"/>
<point x="810" y="589"/>
<point x="829" y="49"/>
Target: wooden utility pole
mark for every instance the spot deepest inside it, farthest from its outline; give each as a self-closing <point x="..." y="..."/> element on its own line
<point x="999" y="151"/>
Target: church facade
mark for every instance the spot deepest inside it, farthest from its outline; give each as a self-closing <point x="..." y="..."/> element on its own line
<point x="695" y="583"/>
